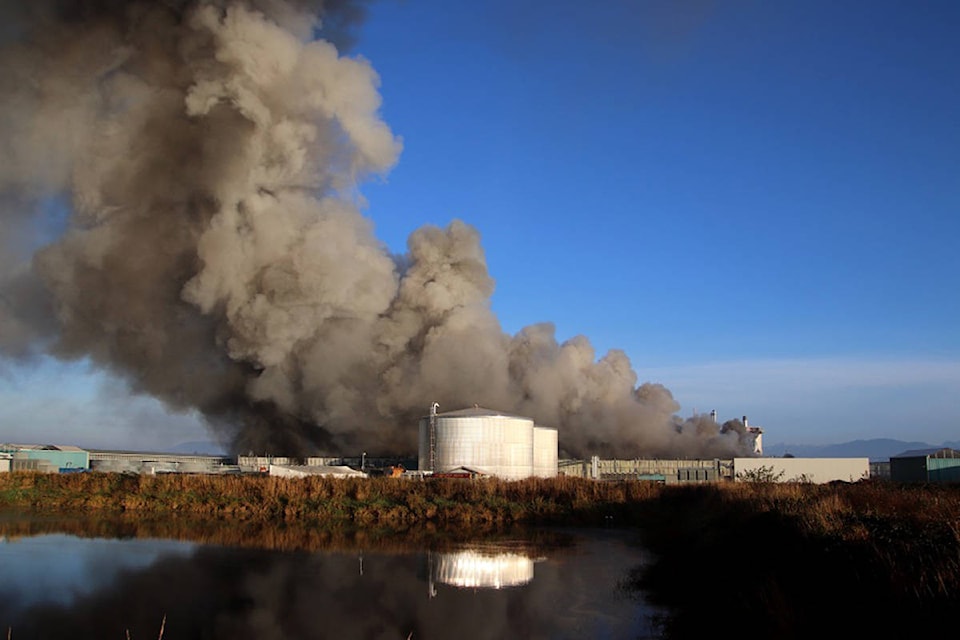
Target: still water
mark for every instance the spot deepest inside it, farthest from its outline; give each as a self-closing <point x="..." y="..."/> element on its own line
<point x="544" y="584"/>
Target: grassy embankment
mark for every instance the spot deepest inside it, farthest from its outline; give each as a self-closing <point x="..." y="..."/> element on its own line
<point x="850" y="512"/>
<point x="781" y="559"/>
<point x="376" y="501"/>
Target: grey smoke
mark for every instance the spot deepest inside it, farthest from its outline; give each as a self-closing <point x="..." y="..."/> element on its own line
<point x="215" y="255"/>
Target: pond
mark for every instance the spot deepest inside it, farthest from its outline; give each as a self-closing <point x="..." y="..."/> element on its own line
<point x="62" y="581"/>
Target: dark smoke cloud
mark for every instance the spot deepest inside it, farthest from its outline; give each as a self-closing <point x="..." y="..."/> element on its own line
<point x="215" y="256"/>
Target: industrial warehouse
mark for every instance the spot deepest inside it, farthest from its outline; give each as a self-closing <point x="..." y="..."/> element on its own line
<point x="477" y="442"/>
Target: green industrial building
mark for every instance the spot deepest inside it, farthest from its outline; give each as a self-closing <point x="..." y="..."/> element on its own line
<point x="46" y="458"/>
<point x="926" y="465"/>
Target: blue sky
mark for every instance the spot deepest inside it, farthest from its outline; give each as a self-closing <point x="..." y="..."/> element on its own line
<point x="756" y="201"/>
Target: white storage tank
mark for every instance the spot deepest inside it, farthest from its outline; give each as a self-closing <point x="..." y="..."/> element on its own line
<point x="488" y="441"/>
<point x="545" y="448"/>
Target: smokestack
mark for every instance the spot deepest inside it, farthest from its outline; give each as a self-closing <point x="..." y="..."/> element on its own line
<point x="214" y="255"/>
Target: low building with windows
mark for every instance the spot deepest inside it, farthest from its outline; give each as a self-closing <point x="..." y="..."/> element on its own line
<point x="152" y="463"/>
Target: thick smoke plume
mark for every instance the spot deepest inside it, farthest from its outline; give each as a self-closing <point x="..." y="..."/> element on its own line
<point x="207" y="155"/>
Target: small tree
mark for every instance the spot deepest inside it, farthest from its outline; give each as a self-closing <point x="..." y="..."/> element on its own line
<point x="760" y="474"/>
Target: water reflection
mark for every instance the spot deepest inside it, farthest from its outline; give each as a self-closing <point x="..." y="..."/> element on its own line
<point x="48" y="569"/>
<point x="486" y="568"/>
<point x="563" y="584"/>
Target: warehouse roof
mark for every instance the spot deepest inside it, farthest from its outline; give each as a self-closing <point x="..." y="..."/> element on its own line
<point x="8" y="446"/>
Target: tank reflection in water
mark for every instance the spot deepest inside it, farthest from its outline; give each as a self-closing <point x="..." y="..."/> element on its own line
<point x="64" y="586"/>
<point x="485" y="568"/>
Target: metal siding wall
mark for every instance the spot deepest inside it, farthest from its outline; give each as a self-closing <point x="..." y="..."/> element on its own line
<point x="943" y="469"/>
<point x="574" y="468"/>
<point x="942" y="463"/>
<point x="115" y="465"/>
<point x="423" y="445"/>
<point x="60" y="459"/>
<point x="325" y="461"/>
<point x="908" y="469"/>
<point x="704" y="470"/>
<point x="675" y="470"/>
<point x="24" y="463"/>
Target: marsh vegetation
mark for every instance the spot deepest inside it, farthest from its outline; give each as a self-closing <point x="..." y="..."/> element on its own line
<point x="782" y="559"/>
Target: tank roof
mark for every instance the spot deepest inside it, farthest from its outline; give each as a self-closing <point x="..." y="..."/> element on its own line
<point x="478" y="411"/>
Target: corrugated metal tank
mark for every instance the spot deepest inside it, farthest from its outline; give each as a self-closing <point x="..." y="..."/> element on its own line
<point x="495" y="443"/>
<point x="545" y="447"/>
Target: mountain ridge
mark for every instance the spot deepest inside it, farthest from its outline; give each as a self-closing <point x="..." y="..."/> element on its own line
<point x="876" y="449"/>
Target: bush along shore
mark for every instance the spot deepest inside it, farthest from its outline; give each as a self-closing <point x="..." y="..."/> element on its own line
<point x="777" y="560"/>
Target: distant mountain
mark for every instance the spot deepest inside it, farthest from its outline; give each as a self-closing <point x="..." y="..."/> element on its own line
<point x="877" y="449"/>
<point x="203" y="448"/>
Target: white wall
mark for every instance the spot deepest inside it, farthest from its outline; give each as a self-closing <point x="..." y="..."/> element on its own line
<point x="817" y="470"/>
<point x="304" y="472"/>
<point x="286" y="472"/>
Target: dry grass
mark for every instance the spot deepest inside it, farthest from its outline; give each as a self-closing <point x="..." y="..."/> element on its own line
<point x="383" y="501"/>
<point x="842" y="510"/>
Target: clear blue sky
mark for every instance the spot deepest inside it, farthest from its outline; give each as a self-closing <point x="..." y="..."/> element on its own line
<point x="757" y="201"/>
